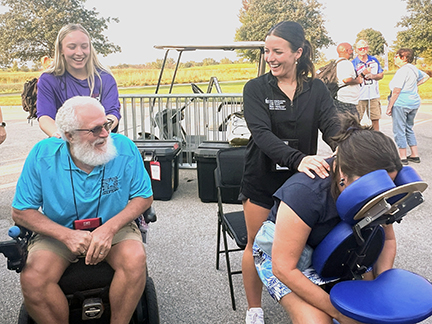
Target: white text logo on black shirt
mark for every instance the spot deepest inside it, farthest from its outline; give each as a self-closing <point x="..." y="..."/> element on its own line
<point x="276" y="104"/>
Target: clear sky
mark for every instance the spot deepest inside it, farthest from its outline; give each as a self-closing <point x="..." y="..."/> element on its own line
<point x="145" y="23"/>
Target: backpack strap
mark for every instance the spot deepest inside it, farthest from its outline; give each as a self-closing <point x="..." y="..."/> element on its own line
<point x="340" y="59"/>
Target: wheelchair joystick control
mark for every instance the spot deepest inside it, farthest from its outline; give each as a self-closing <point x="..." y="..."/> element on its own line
<point x="14" y="232"/>
<point x="16" y="250"/>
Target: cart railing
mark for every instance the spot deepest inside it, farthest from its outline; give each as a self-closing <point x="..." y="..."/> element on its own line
<point x="188" y="118"/>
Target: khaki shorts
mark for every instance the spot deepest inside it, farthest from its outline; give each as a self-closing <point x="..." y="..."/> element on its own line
<point x="40" y="242"/>
<point x="375" y="108"/>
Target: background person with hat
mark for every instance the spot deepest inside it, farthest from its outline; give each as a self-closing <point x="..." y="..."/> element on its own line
<point x="370" y="69"/>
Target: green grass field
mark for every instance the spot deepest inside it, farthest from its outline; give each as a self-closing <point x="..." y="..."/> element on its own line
<point x="232" y="78"/>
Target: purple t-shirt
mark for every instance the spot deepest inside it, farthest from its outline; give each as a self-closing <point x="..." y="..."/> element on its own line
<point x="53" y="91"/>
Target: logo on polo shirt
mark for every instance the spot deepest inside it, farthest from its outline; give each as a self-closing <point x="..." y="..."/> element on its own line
<point x="276" y="104"/>
<point x="110" y="185"/>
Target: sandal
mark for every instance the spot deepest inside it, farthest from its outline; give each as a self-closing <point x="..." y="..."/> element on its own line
<point x="415" y="159"/>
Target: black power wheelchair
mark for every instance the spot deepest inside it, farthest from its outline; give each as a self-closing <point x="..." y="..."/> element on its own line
<point x="86" y="287"/>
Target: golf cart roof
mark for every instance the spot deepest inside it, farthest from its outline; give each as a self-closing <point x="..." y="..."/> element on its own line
<point x="225" y="47"/>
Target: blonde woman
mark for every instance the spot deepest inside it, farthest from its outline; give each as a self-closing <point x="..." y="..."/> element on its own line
<point x="75" y="71"/>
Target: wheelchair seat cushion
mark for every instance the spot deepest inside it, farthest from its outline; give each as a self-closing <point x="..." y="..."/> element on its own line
<point x="362" y="190"/>
<point x="396" y="297"/>
<point x="80" y="277"/>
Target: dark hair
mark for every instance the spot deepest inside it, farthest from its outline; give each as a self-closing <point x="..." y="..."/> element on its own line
<point x="408" y="53"/>
<point x="294" y="34"/>
<point x="362" y="150"/>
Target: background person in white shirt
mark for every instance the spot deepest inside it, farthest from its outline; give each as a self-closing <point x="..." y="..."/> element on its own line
<point x="404" y="103"/>
<point x="348" y="95"/>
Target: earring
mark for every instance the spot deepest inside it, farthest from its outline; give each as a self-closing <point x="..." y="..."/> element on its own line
<point x="296" y="62"/>
<point x="341" y="182"/>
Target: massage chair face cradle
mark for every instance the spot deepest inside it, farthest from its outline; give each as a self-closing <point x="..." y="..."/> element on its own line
<point x="354" y="245"/>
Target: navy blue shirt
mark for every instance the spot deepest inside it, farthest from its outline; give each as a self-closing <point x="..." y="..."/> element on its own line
<point x="312" y="201"/>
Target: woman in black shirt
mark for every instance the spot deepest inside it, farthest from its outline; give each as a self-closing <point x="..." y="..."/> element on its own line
<point x="284" y="110"/>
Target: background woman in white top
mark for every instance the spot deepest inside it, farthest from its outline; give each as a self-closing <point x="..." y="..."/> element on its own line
<point x="404" y="103"/>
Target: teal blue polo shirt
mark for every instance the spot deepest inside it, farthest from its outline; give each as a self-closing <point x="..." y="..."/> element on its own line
<point x="50" y="180"/>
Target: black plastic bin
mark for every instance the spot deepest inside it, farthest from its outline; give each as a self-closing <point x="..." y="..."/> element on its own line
<point x="205" y="156"/>
<point x="167" y="154"/>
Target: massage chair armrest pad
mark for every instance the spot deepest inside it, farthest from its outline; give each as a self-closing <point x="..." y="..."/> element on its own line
<point x="396" y="296"/>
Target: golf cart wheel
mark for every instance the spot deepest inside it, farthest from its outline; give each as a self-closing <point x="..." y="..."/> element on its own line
<point x="24" y="317"/>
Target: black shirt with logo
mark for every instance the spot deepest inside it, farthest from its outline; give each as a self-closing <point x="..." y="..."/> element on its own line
<point x="283" y="132"/>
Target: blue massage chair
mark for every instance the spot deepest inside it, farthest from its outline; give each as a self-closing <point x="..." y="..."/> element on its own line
<point x="396" y="296"/>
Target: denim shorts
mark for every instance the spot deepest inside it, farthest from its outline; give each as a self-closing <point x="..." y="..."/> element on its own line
<point x="263" y="263"/>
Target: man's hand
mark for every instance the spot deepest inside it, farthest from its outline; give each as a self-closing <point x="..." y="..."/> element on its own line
<point x="368" y="76"/>
<point x="315" y="163"/>
<point x="100" y="245"/>
<point x="78" y="241"/>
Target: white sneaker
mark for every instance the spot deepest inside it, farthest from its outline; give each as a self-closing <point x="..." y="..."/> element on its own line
<point x="255" y="315"/>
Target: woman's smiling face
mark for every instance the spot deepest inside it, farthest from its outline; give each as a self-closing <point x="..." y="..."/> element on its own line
<point x="280" y="57"/>
<point x="76" y="51"/>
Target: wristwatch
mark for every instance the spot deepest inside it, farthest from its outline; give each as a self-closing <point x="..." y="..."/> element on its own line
<point x="3" y="124"/>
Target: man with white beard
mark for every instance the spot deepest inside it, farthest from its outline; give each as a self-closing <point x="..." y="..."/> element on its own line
<point x="93" y="175"/>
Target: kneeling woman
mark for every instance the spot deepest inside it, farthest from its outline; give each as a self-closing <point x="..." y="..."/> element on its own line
<point x="305" y="212"/>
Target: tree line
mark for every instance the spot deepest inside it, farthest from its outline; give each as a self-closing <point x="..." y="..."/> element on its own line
<point x="28" y="29"/>
<point x="171" y="63"/>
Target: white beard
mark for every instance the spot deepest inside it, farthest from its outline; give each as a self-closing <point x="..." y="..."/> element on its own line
<point x="86" y="152"/>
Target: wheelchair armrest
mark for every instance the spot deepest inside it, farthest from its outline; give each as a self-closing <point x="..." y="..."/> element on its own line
<point x="16" y="254"/>
<point x="16" y="250"/>
<point x="150" y="215"/>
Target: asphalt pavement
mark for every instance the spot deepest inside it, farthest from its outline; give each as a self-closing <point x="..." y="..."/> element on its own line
<point x="182" y="243"/>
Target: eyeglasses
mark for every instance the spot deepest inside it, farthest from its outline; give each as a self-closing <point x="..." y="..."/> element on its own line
<point x="98" y="129"/>
<point x="363" y="48"/>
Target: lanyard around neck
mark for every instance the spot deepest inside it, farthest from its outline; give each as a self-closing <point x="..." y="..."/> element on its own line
<point x="73" y="189"/>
